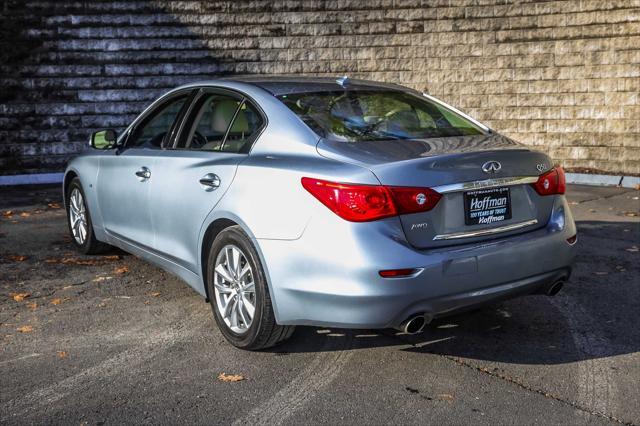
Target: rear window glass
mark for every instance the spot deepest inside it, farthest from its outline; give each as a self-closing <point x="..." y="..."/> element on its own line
<point x="361" y="115"/>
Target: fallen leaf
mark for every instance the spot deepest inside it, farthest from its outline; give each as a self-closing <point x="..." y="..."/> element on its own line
<point x="19" y="297"/>
<point x="146" y="302"/>
<point x="121" y="270"/>
<point x="102" y="305"/>
<point x="7" y="213"/>
<point x="25" y="214"/>
<point x="56" y="301"/>
<point x="631" y="214"/>
<point x="18" y="258"/>
<point x="98" y="279"/>
<point x="32" y="305"/>
<point x="446" y="396"/>
<point x="25" y="329"/>
<point x="62" y="354"/>
<point x="111" y="257"/>
<point x="633" y="249"/>
<point x="155" y="294"/>
<point x="223" y="377"/>
<point x="76" y="261"/>
<point x="52" y="260"/>
<point x="53" y="205"/>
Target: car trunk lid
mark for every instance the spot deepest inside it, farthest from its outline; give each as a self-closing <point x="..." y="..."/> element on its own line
<point x="476" y="204"/>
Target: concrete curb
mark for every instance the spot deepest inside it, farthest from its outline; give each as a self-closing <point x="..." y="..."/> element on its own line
<point x="603" y="180"/>
<point x="34" y="179"/>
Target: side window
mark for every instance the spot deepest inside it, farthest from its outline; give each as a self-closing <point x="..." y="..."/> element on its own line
<point x="212" y="119"/>
<point x="152" y="130"/>
<point x="244" y="130"/>
<point x="223" y="123"/>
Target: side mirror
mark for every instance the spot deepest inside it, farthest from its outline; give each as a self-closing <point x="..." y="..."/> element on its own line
<point x="104" y="139"/>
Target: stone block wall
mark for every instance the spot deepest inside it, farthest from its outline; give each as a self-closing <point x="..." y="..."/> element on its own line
<point x="563" y="76"/>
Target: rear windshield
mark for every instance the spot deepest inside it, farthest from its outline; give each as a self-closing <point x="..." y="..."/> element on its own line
<point x="361" y="115"/>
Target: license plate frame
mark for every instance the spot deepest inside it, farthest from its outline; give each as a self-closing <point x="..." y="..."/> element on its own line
<point x="487" y="206"/>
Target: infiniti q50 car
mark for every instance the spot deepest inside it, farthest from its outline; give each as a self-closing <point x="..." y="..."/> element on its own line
<point x="307" y="201"/>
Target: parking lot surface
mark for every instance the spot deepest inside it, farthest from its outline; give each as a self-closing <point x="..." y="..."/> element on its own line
<point x="112" y="339"/>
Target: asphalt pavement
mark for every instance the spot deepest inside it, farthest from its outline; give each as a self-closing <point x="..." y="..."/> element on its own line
<point x="112" y="339"/>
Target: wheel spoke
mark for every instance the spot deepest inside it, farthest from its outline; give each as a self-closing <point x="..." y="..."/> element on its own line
<point x="222" y="289"/>
<point x="236" y="262"/>
<point x="240" y="308"/>
<point x="222" y="271"/>
<point x="233" y="319"/>
<point x="248" y="306"/>
<point x="244" y="271"/>
<point x="249" y="287"/>
<point x="229" y="308"/>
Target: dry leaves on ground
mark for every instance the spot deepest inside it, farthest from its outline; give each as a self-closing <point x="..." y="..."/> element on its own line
<point x="25" y="329"/>
<point x="223" y="377"/>
<point x="54" y="206"/>
<point x="62" y="354"/>
<point x="56" y="301"/>
<point x="25" y="214"/>
<point x="99" y="279"/>
<point x="19" y="297"/>
<point x="33" y="306"/>
<point x="121" y="270"/>
<point x="446" y="397"/>
<point x="7" y="213"/>
<point x="17" y="257"/>
<point x="155" y="294"/>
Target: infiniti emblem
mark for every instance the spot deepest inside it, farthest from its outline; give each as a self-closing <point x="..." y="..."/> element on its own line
<point x="491" y="167"/>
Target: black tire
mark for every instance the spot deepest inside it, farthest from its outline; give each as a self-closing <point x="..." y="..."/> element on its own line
<point x="263" y="331"/>
<point x="90" y="245"/>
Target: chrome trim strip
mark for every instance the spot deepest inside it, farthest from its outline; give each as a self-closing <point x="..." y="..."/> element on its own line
<point x="482" y="232"/>
<point x="482" y="184"/>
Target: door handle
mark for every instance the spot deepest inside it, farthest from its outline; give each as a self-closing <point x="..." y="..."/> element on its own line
<point x="210" y="181"/>
<point x="143" y="174"/>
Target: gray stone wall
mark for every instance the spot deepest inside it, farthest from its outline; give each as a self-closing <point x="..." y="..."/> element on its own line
<point x="563" y="76"/>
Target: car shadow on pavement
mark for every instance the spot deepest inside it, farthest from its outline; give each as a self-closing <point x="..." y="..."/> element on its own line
<point x="594" y="316"/>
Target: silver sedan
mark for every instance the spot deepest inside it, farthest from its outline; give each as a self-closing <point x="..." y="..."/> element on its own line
<point x="308" y="201"/>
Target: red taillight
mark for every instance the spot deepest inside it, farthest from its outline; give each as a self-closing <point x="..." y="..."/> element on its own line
<point x="363" y="203"/>
<point x="397" y="273"/>
<point x="551" y="183"/>
<point x="414" y="200"/>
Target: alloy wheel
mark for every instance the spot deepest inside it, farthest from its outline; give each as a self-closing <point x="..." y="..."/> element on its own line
<point x="78" y="216"/>
<point x="234" y="289"/>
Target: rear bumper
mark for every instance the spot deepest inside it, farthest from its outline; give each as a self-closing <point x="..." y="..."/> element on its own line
<point x="330" y="277"/>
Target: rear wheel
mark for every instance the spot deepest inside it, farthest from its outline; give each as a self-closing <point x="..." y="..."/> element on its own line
<point x="79" y="221"/>
<point x="239" y="294"/>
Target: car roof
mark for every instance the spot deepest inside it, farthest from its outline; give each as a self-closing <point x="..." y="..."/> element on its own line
<point x="281" y="85"/>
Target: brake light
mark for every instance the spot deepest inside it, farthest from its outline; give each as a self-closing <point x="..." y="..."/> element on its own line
<point x="363" y="203"/>
<point x="551" y="183"/>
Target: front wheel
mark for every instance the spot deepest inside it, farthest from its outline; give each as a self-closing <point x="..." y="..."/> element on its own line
<point x="79" y="220"/>
<point x="239" y="294"/>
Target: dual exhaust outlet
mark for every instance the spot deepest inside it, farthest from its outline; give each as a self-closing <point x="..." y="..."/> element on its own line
<point x="416" y="323"/>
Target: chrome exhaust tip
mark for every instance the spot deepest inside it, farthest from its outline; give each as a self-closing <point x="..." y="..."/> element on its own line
<point x="414" y="324"/>
<point x="555" y="288"/>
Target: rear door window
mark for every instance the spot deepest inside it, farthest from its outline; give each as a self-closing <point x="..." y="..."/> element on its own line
<point x="224" y="123"/>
